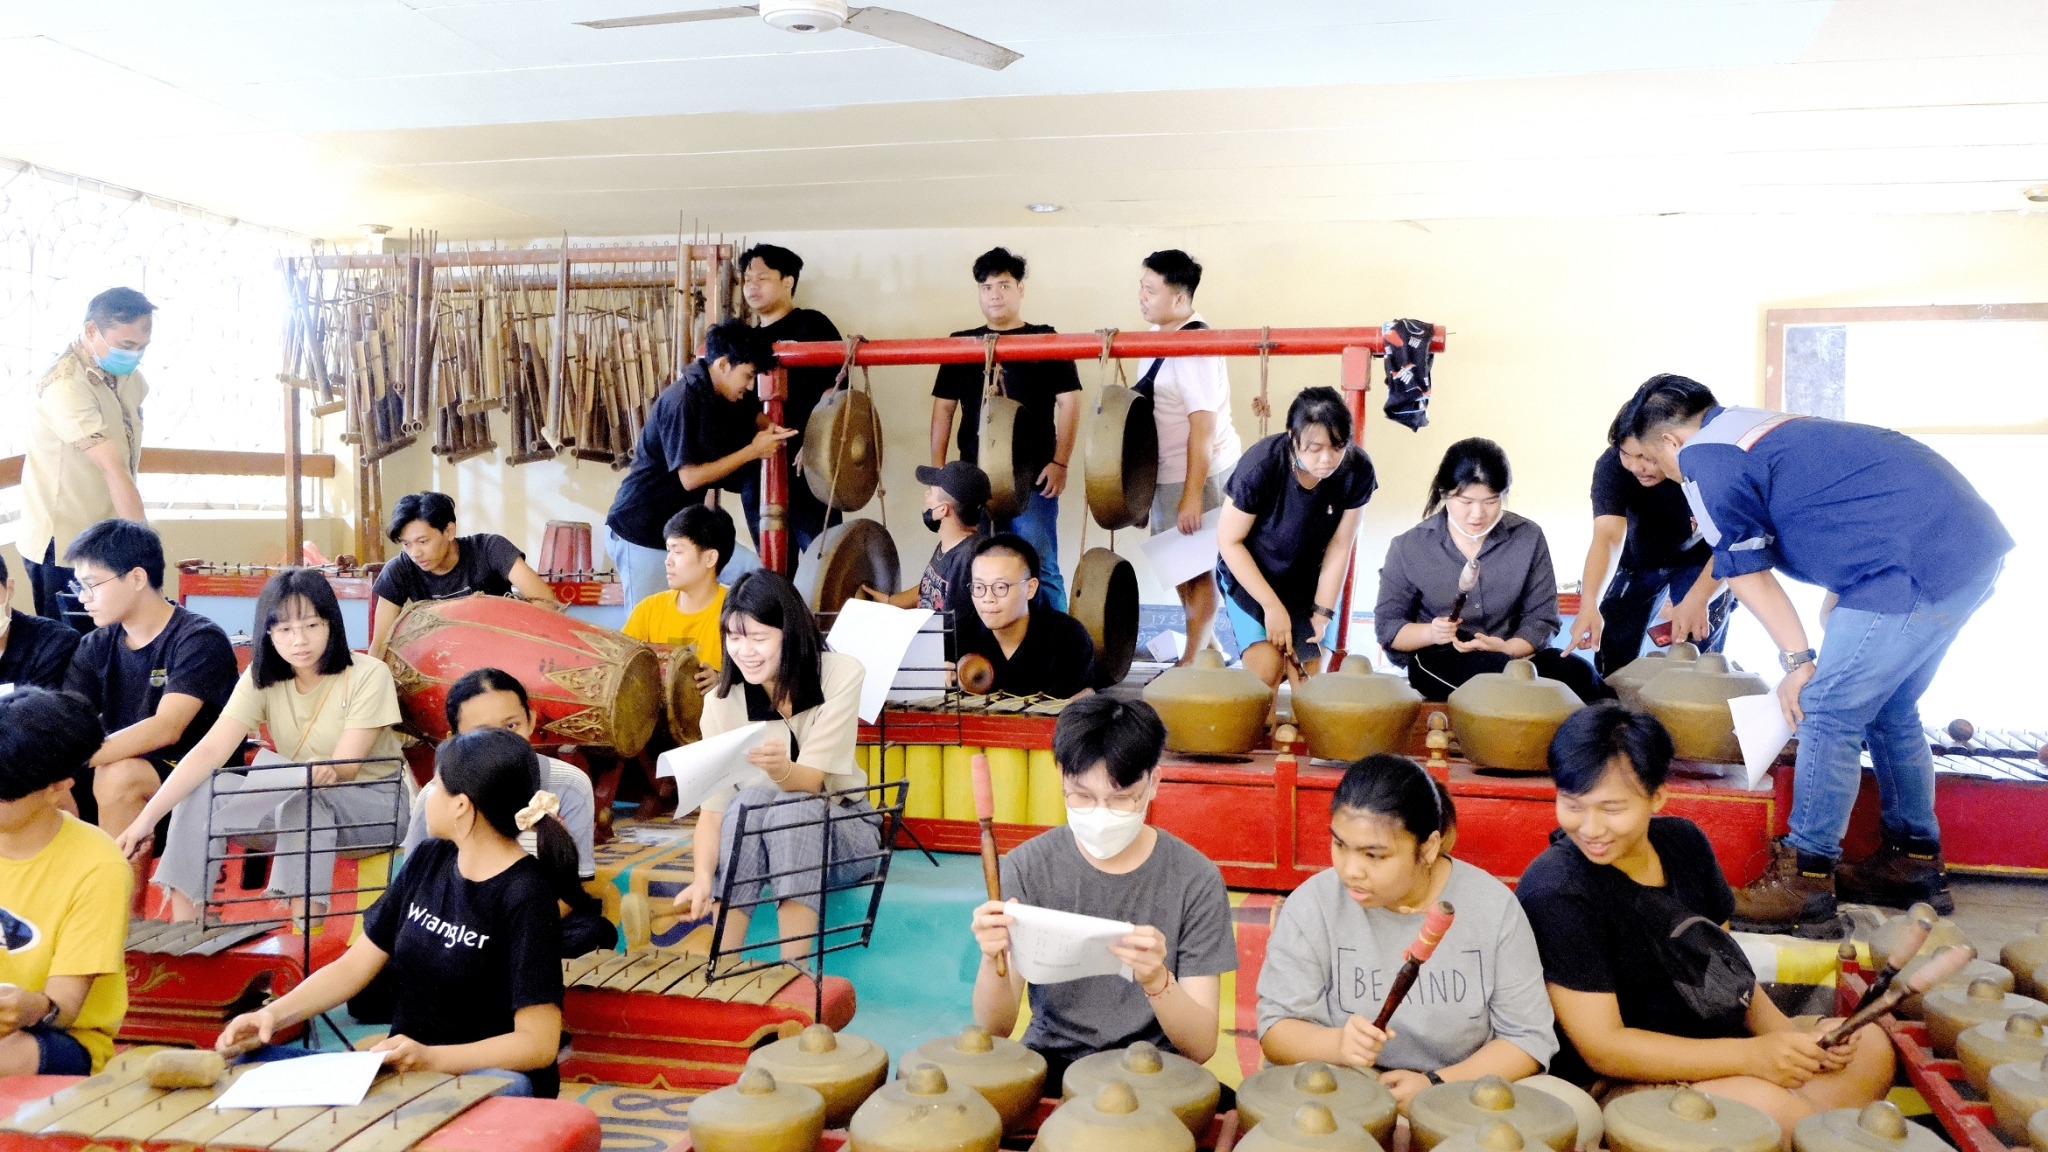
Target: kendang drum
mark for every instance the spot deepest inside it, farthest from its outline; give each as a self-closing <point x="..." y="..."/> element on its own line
<point x="682" y="705"/>
<point x="588" y="685"/>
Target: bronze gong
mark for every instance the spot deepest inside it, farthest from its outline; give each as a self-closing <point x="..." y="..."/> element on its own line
<point x="1106" y="603"/>
<point x="842" y="456"/>
<point x="854" y="553"/>
<point x="1122" y="458"/>
<point x="1008" y="488"/>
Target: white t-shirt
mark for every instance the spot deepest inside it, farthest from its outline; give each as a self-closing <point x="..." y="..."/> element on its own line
<point x="1192" y="384"/>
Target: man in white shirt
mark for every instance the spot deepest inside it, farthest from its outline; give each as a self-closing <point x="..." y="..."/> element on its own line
<point x="1198" y="444"/>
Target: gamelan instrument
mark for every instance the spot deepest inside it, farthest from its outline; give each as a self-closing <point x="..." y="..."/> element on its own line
<point x="975" y="672"/>
<point x="1873" y="1126"/>
<point x="1944" y="964"/>
<point x="682" y="705"/>
<point x="985" y="813"/>
<point x="187" y="979"/>
<point x="1902" y="953"/>
<point x="1105" y="601"/>
<point x="1950" y="1011"/>
<point x="674" y="972"/>
<point x="1008" y="488"/>
<point x="1210" y="710"/>
<point x="1008" y="1075"/>
<point x="923" y="1112"/>
<point x="856" y="554"/>
<point x="121" y="1108"/>
<point x="1505" y="719"/>
<point x="1113" y="1117"/>
<point x="1667" y="1119"/>
<point x="1122" y="457"/>
<point x="1435" y="923"/>
<point x="841" y="1067"/>
<point x="1691" y="700"/>
<point x="1351" y="1096"/>
<point x="588" y="685"/>
<point x="1355" y="712"/>
<point x="1165" y="1079"/>
<point x="842" y="453"/>
<point x="757" y="1114"/>
<point x="1442" y="1111"/>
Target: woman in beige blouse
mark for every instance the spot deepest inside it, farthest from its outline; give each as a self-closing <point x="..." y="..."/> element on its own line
<point x="320" y="702"/>
<point x="777" y="670"/>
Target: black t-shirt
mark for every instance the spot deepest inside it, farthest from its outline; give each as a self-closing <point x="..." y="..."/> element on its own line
<point x="1291" y="525"/>
<point x="483" y="563"/>
<point x="1659" y="519"/>
<point x="1036" y="384"/>
<point x="689" y="423"/>
<point x="1057" y="657"/>
<point x="806" y="385"/>
<point x="38" y="651"/>
<point x="467" y="956"/>
<point x="947" y="575"/>
<point x="191" y="657"/>
<point x="1593" y="939"/>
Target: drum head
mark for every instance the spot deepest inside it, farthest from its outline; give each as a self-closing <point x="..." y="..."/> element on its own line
<point x="842" y="457"/>
<point x="1122" y="458"/>
<point x="1007" y="487"/>
<point x="682" y="704"/>
<point x="1106" y="603"/>
<point x="854" y="553"/>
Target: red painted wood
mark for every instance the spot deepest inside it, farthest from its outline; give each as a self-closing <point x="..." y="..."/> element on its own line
<point x="1088" y="346"/>
<point x="775" y="550"/>
<point x="1977" y="816"/>
<point x="1968" y="1123"/>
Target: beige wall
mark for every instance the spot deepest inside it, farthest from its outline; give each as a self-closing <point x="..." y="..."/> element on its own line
<point x="1553" y="321"/>
<point x="220" y="539"/>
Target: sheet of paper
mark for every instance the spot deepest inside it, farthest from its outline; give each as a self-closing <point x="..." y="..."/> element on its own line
<point x="1049" y="946"/>
<point x="325" y="1080"/>
<point x="1177" y="559"/>
<point x="1167" y="646"/>
<point x="923" y="673"/>
<point x="1761" y="730"/>
<point x="711" y="763"/>
<point x="877" y="635"/>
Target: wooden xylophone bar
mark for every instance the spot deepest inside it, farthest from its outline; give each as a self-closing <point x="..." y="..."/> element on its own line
<point x="674" y="972"/>
<point x="190" y="937"/>
<point x="119" y="1107"/>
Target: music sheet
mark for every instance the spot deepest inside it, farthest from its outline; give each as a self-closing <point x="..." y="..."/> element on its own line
<point x="323" y="1080"/>
<point x="1050" y="947"/>
<point x="711" y="763"/>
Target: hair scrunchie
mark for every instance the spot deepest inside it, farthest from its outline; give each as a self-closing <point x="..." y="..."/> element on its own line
<point x="543" y="804"/>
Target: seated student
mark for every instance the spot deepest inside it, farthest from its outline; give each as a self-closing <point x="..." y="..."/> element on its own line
<point x="319" y="702"/>
<point x="700" y="544"/>
<point x="467" y="928"/>
<point x="955" y="498"/>
<point x="1036" y="648"/>
<point x="1106" y="861"/>
<point x="1341" y="935"/>
<point x="157" y="674"/>
<point x="1287" y="533"/>
<point x="1604" y="900"/>
<point x="34" y="652"/>
<point x="1511" y="608"/>
<point x="63" y="897"/>
<point x="440" y="564"/>
<point x="494" y="698"/>
<point x="777" y="669"/>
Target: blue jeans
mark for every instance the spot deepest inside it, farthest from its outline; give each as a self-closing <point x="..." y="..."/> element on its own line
<point x="1872" y="670"/>
<point x="641" y="573"/>
<point x="1039" y="525"/>
<point x="1631" y="599"/>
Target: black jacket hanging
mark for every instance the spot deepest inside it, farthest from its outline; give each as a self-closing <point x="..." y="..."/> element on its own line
<point x="1408" y="360"/>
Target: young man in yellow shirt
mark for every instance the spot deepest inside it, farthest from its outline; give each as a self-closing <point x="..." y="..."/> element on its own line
<point x="63" y="896"/>
<point x="700" y="542"/>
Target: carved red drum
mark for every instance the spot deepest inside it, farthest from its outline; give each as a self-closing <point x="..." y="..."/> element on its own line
<point x="588" y="685"/>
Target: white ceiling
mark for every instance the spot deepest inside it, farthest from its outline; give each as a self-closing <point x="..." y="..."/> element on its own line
<point x="502" y="117"/>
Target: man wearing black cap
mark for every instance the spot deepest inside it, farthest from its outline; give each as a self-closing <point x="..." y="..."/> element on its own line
<point x="954" y="499"/>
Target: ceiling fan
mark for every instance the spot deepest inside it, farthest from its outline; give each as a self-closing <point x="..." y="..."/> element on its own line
<point x="826" y="15"/>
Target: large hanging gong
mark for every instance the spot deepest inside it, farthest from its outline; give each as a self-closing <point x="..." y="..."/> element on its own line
<point x="854" y="553"/>
<point x="1007" y="487"/>
<point x="1106" y="603"/>
<point x="842" y="456"/>
<point x="1122" y="458"/>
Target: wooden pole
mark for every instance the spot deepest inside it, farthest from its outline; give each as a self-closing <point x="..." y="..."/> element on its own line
<point x="294" y="510"/>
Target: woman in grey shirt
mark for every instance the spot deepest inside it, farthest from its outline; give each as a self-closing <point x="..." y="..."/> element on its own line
<point x="1468" y="546"/>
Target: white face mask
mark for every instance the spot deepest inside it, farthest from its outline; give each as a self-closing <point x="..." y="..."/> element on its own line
<point x="1102" y="833"/>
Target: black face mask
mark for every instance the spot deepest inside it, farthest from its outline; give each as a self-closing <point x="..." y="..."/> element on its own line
<point x="931" y="520"/>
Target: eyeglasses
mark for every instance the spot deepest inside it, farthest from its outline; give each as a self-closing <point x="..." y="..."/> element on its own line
<point x="1122" y="805"/>
<point x="297" y="629"/>
<point x="84" y="591"/>
<point x="995" y="591"/>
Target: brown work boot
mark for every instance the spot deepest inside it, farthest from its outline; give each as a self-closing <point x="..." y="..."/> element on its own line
<point x="1795" y="895"/>
<point x="1905" y="871"/>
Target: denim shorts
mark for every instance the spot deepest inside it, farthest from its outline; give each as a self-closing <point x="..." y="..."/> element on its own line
<point x="58" y="1053"/>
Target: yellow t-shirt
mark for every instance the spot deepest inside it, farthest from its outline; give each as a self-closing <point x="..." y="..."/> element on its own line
<point x="656" y="620"/>
<point x="66" y="914"/>
<point x="307" y="726"/>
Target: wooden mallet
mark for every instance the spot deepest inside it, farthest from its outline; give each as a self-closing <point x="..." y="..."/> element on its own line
<point x="985" y="812"/>
<point x="1434" y="924"/>
<point x="638" y="921"/>
<point x="1944" y="964"/>
<point x="1907" y="948"/>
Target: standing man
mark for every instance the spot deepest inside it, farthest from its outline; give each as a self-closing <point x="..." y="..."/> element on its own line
<point x="1907" y="552"/>
<point x="1198" y="445"/>
<point x="768" y="276"/>
<point x="1642" y="513"/>
<point x="439" y="563"/>
<point x="84" y="445"/>
<point x="704" y="433"/>
<point x="1050" y="392"/>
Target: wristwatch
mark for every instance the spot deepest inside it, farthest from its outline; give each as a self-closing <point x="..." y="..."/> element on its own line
<point x="1434" y="1078"/>
<point x="49" y="1019"/>
<point x="1790" y="660"/>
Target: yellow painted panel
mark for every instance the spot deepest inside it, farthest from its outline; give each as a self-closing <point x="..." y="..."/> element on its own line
<point x="927" y="782"/>
<point x="1009" y="771"/>
<point x="1046" y="802"/>
<point x="960" y="782"/>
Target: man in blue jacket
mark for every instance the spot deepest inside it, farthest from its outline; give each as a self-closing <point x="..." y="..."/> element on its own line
<point x="1906" y="550"/>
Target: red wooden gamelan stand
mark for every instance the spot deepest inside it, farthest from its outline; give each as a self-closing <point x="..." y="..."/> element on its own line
<point x="1968" y="1123"/>
<point x="1357" y="347"/>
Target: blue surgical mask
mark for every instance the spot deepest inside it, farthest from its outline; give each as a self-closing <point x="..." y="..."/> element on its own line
<point x="120" y="361"/>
